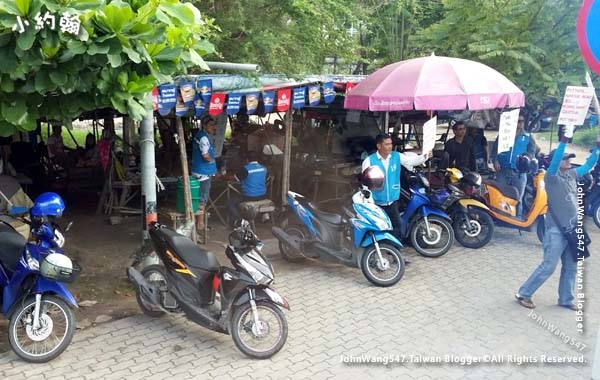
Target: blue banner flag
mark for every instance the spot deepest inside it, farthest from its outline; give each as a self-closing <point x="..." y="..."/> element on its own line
<point x="299" y="97"/>
<point x="251" y="102"/>
<point x="205" y="89"/>
<point x="268" y="100"/>
<point x="328" y="92"/>
<point x="233" y="103"/>
<point x="167" y="98"/>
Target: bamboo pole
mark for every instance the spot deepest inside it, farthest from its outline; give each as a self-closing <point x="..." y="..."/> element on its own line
<point x="187" y="195"/>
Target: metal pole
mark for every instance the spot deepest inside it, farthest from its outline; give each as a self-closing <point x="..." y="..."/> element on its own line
<point x="233" y="66"/>
<point x="148" y="171"/>
<point x="287" y="155"/>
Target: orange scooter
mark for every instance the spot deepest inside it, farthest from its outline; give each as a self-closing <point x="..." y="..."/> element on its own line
<point x="502" y="200"/>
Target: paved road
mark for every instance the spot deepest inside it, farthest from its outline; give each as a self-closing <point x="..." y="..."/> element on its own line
<point x="453" y="310"/>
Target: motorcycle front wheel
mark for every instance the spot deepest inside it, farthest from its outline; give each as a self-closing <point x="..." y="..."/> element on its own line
<point x="50" y="339"/>
<point x="154" y="274"/>
<point x="263" y="338"/>
<point x="437" y="241"/>
<point x="385" y="273"/>
<point x="473" y="229"/>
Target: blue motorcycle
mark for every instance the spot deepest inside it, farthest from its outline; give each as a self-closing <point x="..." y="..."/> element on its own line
<point x="358" y="239"/>
<point x="428" y="228"/>
<point x="33" y="296"/>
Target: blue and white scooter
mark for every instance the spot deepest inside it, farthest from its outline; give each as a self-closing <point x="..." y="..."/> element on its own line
<point x="33" y="296"/>
<point x="363" y="240"/>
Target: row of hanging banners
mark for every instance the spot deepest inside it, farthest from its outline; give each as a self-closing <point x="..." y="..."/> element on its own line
<point x="195" y="98"/>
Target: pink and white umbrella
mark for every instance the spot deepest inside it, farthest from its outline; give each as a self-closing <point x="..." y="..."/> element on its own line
<point x="434" y="83"/>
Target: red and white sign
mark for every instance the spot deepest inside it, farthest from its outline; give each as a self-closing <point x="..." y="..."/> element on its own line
<point x="575" y="105"/>
<point x="283" y="99"/>
<point x="217" y="102"/>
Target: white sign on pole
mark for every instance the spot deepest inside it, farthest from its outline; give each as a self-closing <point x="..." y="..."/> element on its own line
<point x="507" y="130"/>
<point x="429" y="132"/>
<point x="575" y="105"/>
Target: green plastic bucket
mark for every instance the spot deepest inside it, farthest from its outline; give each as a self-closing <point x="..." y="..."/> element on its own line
<point x="195" y="191"/>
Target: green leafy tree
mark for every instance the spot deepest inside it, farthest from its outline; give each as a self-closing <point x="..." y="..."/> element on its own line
<point x="532" y="42"/>
<point x="287" y="36"/>
<point x="121" y="51"/>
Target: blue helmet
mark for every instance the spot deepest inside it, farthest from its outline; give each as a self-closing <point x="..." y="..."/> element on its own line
<point x="48" y="204"/>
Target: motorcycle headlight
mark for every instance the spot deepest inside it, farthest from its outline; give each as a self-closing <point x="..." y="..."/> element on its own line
<point x="32" y="263"/>
<point x="59" y="239"/>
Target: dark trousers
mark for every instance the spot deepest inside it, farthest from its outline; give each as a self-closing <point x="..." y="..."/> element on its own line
<point x="394" y="213"/>
<point x="234" y="202"/>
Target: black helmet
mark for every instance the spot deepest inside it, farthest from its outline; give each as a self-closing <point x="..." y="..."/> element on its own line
<point x="472" y="179"/>
<point x="523" y="163"/>
<point x="373" y="178"/>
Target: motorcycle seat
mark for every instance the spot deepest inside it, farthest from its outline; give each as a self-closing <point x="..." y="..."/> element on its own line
<point x="506" y="190"/>
<point x="11" y="246"/>
<point x="328" y="217"/>
<point x="191" y="254"/>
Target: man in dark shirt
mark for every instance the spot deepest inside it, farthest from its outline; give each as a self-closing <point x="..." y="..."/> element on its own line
<point x="460" y="148"/>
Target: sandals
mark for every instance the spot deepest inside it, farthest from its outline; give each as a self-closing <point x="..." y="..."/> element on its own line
<point x="527" y="302"/>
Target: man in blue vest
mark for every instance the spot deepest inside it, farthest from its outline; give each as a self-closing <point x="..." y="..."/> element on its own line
<point x="390" y="162"/>
<point x="505" y="163"/>
<point x="253" y="177"/>
<point x="204" y="166"/>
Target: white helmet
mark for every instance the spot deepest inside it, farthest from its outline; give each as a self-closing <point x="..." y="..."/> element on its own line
<point x="56" y="266"/>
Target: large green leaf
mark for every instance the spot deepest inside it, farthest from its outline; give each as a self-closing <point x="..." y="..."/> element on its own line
<point x="14" y="112"/>
<point x="23" y="6"/>
<point x="8" y="62"/>
<point x="26" y="39"/>
<point x="58" y="77"/>
<point x="181" y="12"/>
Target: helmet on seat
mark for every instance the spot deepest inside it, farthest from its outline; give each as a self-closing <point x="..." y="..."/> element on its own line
<point x="523" y="163"/>
<point x="48" y="204"/>
<point x="471" y="182"/>
<point x="373" y="178"/>
<point x="472" y="179"/>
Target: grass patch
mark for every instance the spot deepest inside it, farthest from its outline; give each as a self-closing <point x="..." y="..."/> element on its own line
<point x="584" y="138"/>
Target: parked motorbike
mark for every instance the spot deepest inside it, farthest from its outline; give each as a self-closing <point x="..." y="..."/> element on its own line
<point x="427" y="227"/>
<point x="502" y="200"/>
<point x="359" y="239"/>
<point x="239" y="301"/>
<point x="471" y="220"/>
<point x="34" y="298"/>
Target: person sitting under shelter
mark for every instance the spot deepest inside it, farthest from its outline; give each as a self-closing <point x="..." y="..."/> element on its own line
<point x="253" y="178"/>
<point x="460" y="148"/>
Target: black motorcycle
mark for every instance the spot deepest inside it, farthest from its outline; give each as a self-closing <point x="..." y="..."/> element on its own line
<point x="239" y="301"/>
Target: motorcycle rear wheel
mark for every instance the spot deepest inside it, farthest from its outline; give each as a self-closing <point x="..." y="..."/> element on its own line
<point x="438" y="242"/>
<point x="153" y="274"/>
<point x="287" y="251"/>
<point x="249" y="338"/>
<point x="372" y="270"/>
<point x="57" y="326"/>
<point x="478" y="233"/>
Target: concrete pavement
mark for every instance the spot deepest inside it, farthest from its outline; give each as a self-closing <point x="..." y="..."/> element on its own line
<point x="449" y="318"/>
